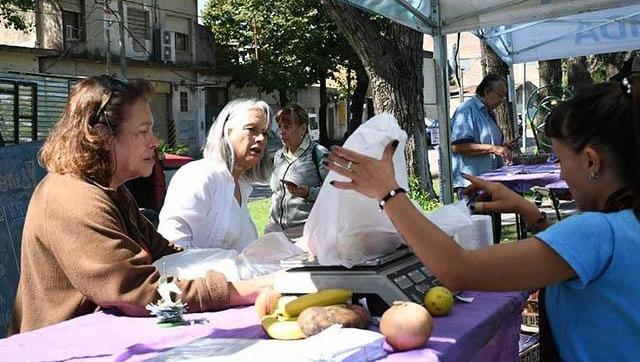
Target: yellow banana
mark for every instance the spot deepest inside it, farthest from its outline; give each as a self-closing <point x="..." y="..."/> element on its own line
<point x="282" y="318"/>
<point x="319" y="299"/>
<point x="282" y="301"/>
<point x="285" y="330"/>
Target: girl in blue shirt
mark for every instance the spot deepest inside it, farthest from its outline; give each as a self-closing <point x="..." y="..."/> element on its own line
<point x="590" y="263"/>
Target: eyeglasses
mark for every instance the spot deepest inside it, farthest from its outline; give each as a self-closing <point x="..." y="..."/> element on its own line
<point x="112" y="84"/>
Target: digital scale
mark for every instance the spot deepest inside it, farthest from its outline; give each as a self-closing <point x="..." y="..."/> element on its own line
<point x="383" y="280"/>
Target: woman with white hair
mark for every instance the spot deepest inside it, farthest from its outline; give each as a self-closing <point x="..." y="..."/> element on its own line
<point x="206" y="203"/>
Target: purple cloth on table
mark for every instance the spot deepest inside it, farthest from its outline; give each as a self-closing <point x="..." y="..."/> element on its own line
<point x="485" y="330"/>
<point x="558" y="186"/>
<point x="520" y="178"/>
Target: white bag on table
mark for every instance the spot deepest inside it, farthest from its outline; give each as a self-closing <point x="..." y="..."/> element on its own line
<point x="258" y="258"/>
<point x="345" y="227"/>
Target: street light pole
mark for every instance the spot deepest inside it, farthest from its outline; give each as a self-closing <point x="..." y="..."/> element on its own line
<point x="108" y="30"/>
<point x="123" y="53"/>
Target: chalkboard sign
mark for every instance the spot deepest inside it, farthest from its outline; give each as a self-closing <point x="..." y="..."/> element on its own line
<point x="19" y="175"/>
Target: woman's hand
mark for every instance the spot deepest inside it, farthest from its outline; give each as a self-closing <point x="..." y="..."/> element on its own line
<point x="369" y="176"/>
<point x="504" y="152"/>
<point x="496" y="197"/>
<point x="245" y="292"/>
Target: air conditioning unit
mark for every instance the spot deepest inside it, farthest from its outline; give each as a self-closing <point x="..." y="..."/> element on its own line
<point x="71" y="33"/>
<point x="167" y="46"/>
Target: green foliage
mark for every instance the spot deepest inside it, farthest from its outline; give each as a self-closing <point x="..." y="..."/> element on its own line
<point x="179" y="149"/>
<point x="280" y="45"/>
<point x="12" y="13"/>
<point x="259" y="211"/>
<point x="416" y="193"/>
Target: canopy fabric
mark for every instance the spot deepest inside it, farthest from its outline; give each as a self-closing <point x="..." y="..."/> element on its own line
<point x="440" y="17"/>
<point x="602" y="31"/>
<point x="458" y="15"/>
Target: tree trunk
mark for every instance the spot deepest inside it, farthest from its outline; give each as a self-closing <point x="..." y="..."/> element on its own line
<point x="370" y="110"/>
<point x="392" y="56"/>
<point x="322" y="112"/>
<point x="550" y="72"/>
<point x="578" y="75"/>
<point x="491" y="63"/>
<point x="358" y="98"/>
<point x="614" y="63"/>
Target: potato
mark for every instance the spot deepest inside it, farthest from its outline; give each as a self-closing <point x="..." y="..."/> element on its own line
<point x="362" y="313"/>
<point x="314" y="320"/>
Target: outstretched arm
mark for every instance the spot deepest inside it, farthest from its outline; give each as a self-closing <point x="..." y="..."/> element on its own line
<point x="523" y="265"/>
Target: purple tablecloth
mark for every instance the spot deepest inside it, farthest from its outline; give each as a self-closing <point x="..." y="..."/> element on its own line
<point x="485" y="330"/>
<point x="520" y="178"/>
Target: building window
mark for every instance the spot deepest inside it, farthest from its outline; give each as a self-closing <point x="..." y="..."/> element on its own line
<point x="182" y="42"/>
<point x="138" y="26"/>
<point x="184" y="102"/>
<point x="71" y="25"/>
<point x="138" y="23"/>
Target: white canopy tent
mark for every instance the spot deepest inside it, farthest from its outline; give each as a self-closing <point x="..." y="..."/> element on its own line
<point x="596" y="32"/>
<point x="441" y="17"/>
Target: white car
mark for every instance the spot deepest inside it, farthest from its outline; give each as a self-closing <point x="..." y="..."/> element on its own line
<point x="314" y="130"/>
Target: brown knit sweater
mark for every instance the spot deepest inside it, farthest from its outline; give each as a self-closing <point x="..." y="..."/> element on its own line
<point x="86" y="247"/>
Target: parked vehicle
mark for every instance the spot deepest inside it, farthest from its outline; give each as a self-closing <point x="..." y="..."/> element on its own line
<point x="433" y="131"/>
<point x="314" y="129"/>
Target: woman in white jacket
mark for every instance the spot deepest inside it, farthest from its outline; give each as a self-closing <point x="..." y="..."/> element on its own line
<point x="206" y="202"/>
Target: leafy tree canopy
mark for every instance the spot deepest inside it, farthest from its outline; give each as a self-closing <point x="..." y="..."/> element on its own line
<point x="282" y="45"/>
<point x="12" y="13"/>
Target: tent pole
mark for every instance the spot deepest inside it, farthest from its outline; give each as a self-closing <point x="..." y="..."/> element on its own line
<point x="511" y="78"/>
<point x="442" y="98"/>
<point x="524" y="107"/>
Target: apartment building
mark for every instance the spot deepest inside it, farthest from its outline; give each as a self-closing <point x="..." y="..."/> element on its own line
<point x="161" y="41"/>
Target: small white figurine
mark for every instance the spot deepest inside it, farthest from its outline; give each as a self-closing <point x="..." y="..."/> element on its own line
<point x="165" y="289"/>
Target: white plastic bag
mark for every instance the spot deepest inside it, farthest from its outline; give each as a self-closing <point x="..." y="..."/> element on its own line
<point x="258" y="258"/>
<point x="345" y="227"/>
<point x="452" y="218"/>
<point x="263" y="255"/>
<point x="477" y="235"/>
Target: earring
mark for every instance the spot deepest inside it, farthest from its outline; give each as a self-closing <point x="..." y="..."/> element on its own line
<point x="593" y="176"/>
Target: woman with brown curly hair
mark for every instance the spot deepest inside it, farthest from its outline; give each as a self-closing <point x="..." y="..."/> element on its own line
<point x="85" y="246"/>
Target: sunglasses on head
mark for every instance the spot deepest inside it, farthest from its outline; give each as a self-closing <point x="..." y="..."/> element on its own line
<point x="112" y="85"/>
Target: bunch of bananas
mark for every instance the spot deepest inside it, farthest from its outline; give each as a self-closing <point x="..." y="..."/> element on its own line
<point x="282" y="323"/>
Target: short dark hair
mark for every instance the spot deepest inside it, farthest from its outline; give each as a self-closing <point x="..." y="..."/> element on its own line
<point x="293" y="112"/>
<point x="606" y="116"/>
<point x="489" y="83"/>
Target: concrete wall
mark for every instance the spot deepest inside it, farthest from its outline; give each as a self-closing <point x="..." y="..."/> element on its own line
<point x="10" y="36"/>
<point x="22" y="62"/>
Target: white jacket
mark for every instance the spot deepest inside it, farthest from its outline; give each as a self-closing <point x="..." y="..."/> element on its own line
<point x="196" y="208"/>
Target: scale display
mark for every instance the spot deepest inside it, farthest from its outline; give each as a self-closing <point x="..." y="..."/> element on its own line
<point x="397" y="276"/>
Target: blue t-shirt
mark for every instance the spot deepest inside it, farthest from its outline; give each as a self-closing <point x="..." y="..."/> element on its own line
<point x="472" y="123"/>
<point x="596" y="315"/>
